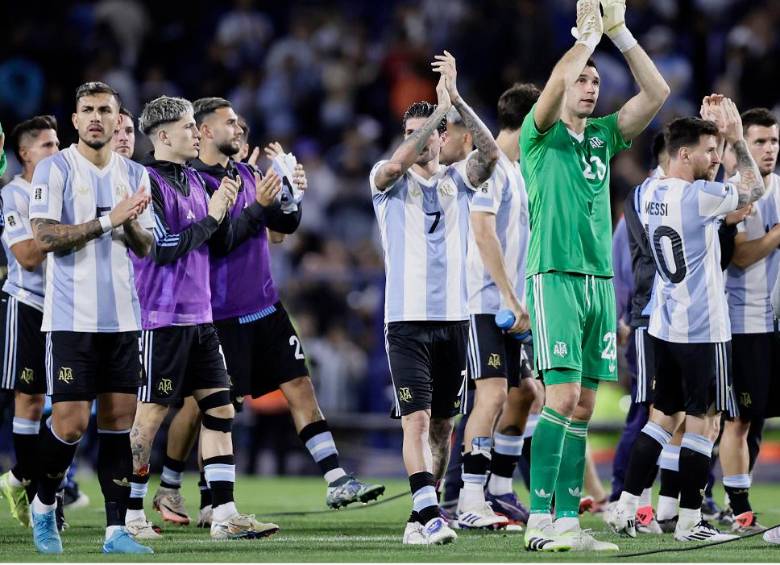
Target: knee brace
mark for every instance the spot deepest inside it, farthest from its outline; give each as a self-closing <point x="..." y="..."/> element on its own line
<point x="216" y="400"/>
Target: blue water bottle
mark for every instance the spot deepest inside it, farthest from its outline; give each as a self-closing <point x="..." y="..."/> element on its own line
<point x="505" y="319"/>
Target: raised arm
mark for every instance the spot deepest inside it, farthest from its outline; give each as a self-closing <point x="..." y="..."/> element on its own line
<point x="638" y="112"/>
<point x="480" y="165"/>
<point x="750" y="185"/>
<point x="568" y="69"/>
<point x="414" y="144"/>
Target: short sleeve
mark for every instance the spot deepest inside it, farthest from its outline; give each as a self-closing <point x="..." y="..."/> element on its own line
<point x="715" y="198"/>
<point x="529" y="133"/>
<point x="487" y="198"/>
<point x="372" y="179"/>
<point x="145" y="219"/>
<point x="46" y="193"/>
<point x="15" y="216"/>
<point x="616" y="141"/>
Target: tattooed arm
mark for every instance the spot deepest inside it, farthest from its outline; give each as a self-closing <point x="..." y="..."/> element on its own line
<point x="751" y="185"/>
<point x="415" y="142"/>
<point x="138" y="238"/>
<point x="52" y="236"/>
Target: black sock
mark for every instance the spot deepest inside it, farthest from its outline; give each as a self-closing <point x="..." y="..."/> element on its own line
<point x="414" y="517"/>
<point x="424" y="496"/>
<point x="26" y="438"/>
<point x="651" y="477"/>
<point x="138" y="486"/>
<point x="115" y="469"/>
<point x="738" y="499"/>
<point x="475" y="464"/>
<point x="55" y="456"/>
<point x="222" y="486"/>
<point x="642" y="462"/>
<point x="670" y="483"/>
<point x="319" y="441"/>
<point x="171" y="465"/>
<point x="205" y="491"/>
<point x="502" y="464"/>
<point x="693" y="477"/>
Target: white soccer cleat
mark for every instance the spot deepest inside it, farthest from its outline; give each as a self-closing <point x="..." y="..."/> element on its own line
<point x="142" y="529"/>
<point x="702" y="531"/>
<point x="437" y="532"/>
<point x="621" y="521"/>
<point x="414" y="534"/>
<point x="772" y="536"/>
<point x="204" y="517"/>
<point x="582" y="540"/>
<point x="241" y="526"/>
<point x="481" y="516"/>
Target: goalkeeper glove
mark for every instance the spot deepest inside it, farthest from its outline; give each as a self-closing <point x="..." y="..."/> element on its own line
<point x="589" y="25"/>
<point x="615" y="24"/>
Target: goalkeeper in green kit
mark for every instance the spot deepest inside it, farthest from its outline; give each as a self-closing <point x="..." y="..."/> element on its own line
<point x="566" y="155"/>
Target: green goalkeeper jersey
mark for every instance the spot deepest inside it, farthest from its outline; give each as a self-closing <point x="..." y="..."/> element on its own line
<point x="567" y="178"/>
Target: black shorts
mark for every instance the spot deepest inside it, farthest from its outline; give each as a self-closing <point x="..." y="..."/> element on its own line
<point x="756" y="361"/>
<point x="179" y="360"/>
<point x="645" y="367"/>
<point x="262" y="354"/>
<point x="81" y="365"/>
<point x="427" y="366"/>
<point x="693" y="378"/>
<point x="493" y="353"/>
<point x="24" y="353"/>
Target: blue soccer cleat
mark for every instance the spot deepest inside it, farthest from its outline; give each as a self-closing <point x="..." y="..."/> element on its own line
<point x="121" y="542"/>
<point x="45" y="534"/>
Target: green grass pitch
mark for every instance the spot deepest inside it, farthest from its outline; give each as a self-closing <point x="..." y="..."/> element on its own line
<point x="368" y="534"/>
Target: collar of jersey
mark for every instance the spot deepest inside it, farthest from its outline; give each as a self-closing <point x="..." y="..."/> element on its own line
<point x="431" y="181"/>
<point x="98" y="171"/>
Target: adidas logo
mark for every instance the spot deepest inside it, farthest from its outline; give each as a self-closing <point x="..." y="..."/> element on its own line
<point x="540" y="493"/>
<point x="595" y="142"/>
<point x="190" y="215"/>
<point x="536" y="544"/>
<point x="575" y="492"/>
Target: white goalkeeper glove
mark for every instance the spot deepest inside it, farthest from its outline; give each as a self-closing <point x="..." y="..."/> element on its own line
<point x="290" y="195"/>
<point x="615" y="24"/>
<point x="589" y="25"/>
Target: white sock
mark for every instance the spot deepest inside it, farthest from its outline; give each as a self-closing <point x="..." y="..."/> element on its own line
<point x="471" y="495"/>
<point x="630" y="502"/>
<point x="224" y="511"/>
<point x="40" y="508"/>
<point x="563" y="525"/>
<point x="689" y="517"/>
<point x="646" y="498"/>
<point x="334" y="475"/>
<point x="539" y="520"/>
<point x="110" y="530"/>
<point x="133" y="515"/>
<point x="499" y="485"/>
<point x="667" y="508"/>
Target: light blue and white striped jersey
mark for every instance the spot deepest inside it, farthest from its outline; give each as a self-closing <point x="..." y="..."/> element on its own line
<point x="681" y="218"/>
<point x="424" y="228"/>
<point x="25" y="286"/>
<point x="91" y="288"/>
<point x="505" y="197"/>
<point x="749" y="289"/>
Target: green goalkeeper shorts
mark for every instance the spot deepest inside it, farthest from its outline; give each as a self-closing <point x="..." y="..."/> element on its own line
<point x="573" y="322"/>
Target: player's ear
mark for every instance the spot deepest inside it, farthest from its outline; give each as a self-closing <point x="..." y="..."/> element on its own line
<point x="162" y="135"/>
<point x="75" y="120"/>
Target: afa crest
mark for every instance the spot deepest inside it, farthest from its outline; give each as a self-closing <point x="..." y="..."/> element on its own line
<point x="27" y="375"/>
<point x="404" y="394"/>
<point x="494" y="360"/>
<point x="165" y="386"/>
<point x="65" y="375"/>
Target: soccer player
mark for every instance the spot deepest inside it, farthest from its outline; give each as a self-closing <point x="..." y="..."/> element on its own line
<point x="262" y="350"/>
<point x="566" y="156"/>
<point x="498" y="240"/>
<point x="749" y="280"/>
<point x="689" y="321"/>
<point x="21" y="312"/>
<point x="422" y="211"/>
<point x="181" y="351"/>
<point x="88" y="209"/>
<point x="123" y="141"/>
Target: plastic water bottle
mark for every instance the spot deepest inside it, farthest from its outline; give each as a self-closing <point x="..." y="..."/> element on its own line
<point x="505" y="319"/>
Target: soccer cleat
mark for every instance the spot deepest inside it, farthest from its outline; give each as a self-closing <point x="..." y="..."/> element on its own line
<point x="772" y="536"/>
<point x="122" y="542"/>
<point x="347" y="489"/>
<point x="646" y="522"/>
<point x="621" y="522"/>
<point x="45" y="535"/>
<point x="726" y="516"/>
<point x="582" y="540"/>
<point x="170" y="504"/>
<point x="59" y="512"/>
<point x="143" y="529"/>
<point x="204" y="517"/>
<point x="241" y="526"/>
<point x="74" y="498"/>
<point x="17" y="499"/>
<point x="414" y="534"/>
<point x="481" y="517"/>
<point x="746" y="523"/>
<point x="437" y="532"/>
<point x="508" y="505"/>
<point x="545" y="539"/>
<point x="709" y="509"/>
<point x="702" y="531"/>
<point x="669" y="525"/>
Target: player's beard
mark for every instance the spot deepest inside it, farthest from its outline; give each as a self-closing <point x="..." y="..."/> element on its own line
<point x="96" y="144"/>
<point x="229" y="148"/>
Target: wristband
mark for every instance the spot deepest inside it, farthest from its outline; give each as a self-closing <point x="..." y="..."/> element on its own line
<point x="105" y="223"/>
<point x="590" y="40"/>
<point x="623" y="39"/>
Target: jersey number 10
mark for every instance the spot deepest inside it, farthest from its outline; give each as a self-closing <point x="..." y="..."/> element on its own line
<point x="678" y="256"/>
